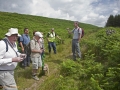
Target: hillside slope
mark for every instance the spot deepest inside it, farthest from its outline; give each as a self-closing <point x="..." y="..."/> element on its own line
<point x="43" y="24"/>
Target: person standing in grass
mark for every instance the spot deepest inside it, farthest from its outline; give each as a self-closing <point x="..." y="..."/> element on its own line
<point x="77" y="33"/>
<point x="51" y="36"/>
<point x="9" y="57"/>
<point x="41" y="41"/>
<point x="36" y="51"/>
<point x="25" y="47"/>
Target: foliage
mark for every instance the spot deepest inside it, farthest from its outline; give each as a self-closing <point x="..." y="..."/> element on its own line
<point x="99" y="70"/>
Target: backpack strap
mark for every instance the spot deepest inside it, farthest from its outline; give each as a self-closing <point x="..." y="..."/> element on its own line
<point x="6" y="44"/>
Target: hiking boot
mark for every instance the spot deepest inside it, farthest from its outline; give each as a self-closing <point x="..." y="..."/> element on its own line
<point x="36" y="78"/>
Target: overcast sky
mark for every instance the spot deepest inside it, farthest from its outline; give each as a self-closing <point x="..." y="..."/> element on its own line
<point x="94" y="12"/>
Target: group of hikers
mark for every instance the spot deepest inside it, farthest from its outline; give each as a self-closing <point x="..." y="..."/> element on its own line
<point x="30" y="49"/>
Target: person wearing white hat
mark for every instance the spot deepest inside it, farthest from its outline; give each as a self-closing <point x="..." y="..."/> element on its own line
<point x="9" y="59"/>
<point x="36" y="51"/>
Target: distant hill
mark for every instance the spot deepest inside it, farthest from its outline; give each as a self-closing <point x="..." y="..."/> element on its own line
<point x="43" y="24"/>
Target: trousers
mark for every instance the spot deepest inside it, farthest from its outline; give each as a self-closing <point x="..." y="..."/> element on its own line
<point x="76" y="48"/>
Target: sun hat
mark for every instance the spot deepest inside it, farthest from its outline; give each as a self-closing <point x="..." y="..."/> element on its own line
<point x="12" y="31"/>
<point x="38" y="34"/>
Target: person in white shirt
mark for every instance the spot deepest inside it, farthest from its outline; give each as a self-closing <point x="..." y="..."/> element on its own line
<point x="36" y="51"/>
<point x="9" y="59"/>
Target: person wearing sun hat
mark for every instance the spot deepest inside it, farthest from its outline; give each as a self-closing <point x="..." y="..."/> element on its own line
<point x="36" y="51"/>
<point x="9" y="59"/>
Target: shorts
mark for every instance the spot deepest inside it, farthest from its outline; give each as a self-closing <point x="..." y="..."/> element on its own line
<point x="7" y="80"/>
<point x="36" y="62"/>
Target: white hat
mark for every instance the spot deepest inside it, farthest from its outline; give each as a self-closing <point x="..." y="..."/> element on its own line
<point x="12" y="31"/>
<point x="38" y="34"/>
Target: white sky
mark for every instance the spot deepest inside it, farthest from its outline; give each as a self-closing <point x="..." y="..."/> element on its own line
<point x="95" y="12"/>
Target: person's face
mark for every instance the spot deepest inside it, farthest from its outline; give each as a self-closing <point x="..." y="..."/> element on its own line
<point x="52" y="30"/>
<point x="37" y="37"/>
<point x="13" y="38"/>
<point x="75" y="24"/>
<point x="26" y="31"/>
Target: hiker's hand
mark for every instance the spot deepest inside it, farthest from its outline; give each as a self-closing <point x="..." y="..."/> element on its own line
<point x="41" y="50"/>
<point x="17" y="59"/>
<point x="78" y="40"/>
<point x="23" y="56"/>
<point x="22" y="50"/>
<point x="68" y="28"/>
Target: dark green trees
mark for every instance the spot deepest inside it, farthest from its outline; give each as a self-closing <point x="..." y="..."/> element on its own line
<point x="113" y="21"/>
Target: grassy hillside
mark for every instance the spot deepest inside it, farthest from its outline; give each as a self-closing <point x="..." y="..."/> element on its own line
<point x="43" y="24"/>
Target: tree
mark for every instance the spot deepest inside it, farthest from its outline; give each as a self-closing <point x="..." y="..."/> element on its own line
<point x="110" y="21"/>
<point x="113" y="21"/>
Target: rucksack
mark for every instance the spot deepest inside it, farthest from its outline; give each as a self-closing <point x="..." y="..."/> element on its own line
<point x="82" y="31"/>
<point x="6" y="44"/>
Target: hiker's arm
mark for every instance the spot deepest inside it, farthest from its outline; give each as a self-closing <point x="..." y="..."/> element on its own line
<point x="37" y="51"/>
<point x="32" y="46"/>
<point x="80" y="34"/>
<point x="79" y="37"/>
<point x="58" y="37"/>
<point x="2" y="54"/>
<point x="22" y="47"/>
<point x="68" y="29"/>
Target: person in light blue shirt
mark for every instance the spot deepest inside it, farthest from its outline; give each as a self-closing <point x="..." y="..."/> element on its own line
<point x="77" y="33"/>
<point x="25" y="47"/>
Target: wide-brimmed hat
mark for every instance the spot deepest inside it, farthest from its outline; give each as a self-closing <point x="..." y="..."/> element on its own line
<point x="38" y="34"/>
<point x="12" y="31"/>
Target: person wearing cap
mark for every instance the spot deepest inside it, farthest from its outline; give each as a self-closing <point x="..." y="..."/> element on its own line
<point x="51" y="40"/>
<point x="25" y="47"/>
<point x="41" y="42"/>
<point x="9" y="59"/>
<point x="36" y="51"/>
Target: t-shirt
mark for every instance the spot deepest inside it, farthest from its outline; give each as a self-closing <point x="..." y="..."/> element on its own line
<point x="76" y="32"/>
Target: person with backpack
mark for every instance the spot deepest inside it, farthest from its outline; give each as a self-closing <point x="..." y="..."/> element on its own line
<point x="41" y="42"/>
<point x="36" y="51"/>
<point x="51" y="36"/>
<point x="25" y="47"/>
<point x="77" y="34"/>
<point x="9" y="57"/>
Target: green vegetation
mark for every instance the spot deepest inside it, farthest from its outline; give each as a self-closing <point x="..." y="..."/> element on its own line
<point x="99" y="68"/>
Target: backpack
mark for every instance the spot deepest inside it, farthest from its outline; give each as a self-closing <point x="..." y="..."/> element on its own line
<point x="6" y="44"/>
<point x="82" y="31"/>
